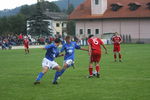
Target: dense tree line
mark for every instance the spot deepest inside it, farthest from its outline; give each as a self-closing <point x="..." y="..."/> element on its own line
<point x="18" y="23"/>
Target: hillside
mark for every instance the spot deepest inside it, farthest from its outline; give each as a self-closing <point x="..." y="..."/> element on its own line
<point x="62" y="4"/>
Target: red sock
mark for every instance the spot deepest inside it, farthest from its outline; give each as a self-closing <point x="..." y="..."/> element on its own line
<point x="98" y="69"/>
<point x="91" y="70"/>
<point x="115" y="56"/>
<point x="120" y="56"/>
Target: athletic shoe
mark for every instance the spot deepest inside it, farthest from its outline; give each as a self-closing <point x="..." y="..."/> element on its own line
<point x="55" y="82"/>
<point x="98" y="75"/>
<point x="36" y="82"/>
<point x="120" y="60"/>
<point x="89" y="76"/>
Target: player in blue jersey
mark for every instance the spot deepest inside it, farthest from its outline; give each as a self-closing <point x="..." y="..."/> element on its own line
<point x="69" y="48"/>
<point x="48" y="62"/>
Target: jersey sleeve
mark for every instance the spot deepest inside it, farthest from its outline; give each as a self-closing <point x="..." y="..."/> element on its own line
<point x="57" y="53"/>
<point x="101" y="42"/>
<point x="89" y="41"/>
<point x="62" y="49"/>
<point x="77" y="46"/>
<point x="48" y="47"/>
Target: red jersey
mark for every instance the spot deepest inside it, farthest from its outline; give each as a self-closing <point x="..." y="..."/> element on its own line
<point x="116" y="40"/>
<point x="26" y="42"/>
<point x="95" y="45"/>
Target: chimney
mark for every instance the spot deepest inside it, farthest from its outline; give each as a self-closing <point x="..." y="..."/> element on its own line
<point x="98" y="7"/>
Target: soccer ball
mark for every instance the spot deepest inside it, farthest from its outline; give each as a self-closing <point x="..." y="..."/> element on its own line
<point x="94" y="73"/>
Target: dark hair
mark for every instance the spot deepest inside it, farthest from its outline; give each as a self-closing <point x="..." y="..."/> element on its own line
<point x="90" y="36"/>
<point x="57" y="40"/>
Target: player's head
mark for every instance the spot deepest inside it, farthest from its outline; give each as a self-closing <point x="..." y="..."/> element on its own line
<point x="116" y="33"/>
<point x="68" y="39"/>
<point x="90" y="36"/>
<point x="57" y="41"/>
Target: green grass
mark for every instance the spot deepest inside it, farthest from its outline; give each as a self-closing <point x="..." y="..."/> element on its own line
<point x="129" y="80"/>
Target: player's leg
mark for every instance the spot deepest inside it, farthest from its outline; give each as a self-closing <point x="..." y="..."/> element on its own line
<point x="41" y="74"/>
<point x="97" y="60"/>
<point x="90" y="70"/>
<point x="91" y="66"/>
<point x="120" y="56"/>
<point x="27" y="49"/>
<point x="115" y="56"/>
<point x="57" y="74"/>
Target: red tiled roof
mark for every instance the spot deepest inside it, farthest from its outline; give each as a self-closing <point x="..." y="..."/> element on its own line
<point x="83" y="11"/>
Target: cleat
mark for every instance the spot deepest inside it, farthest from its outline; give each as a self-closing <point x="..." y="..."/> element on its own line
<point x="115" y="60"/>
<point x="36" y="82"/>
<point x="89" y="76"/>
<point x="98" y="75"/>
<point x="120" y="60"/>
<point x="55" y="82"/>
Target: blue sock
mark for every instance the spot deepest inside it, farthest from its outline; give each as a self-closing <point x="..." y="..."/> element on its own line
<point x="39" y="76"/>
<point x="57" y="74"/>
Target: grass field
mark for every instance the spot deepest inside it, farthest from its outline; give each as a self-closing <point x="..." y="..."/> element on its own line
<point x="128" y="80"/>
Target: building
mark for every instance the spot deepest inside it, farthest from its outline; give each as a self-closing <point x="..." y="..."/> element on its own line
<point x="130" y="18"/>
<point x="57" y="22"/>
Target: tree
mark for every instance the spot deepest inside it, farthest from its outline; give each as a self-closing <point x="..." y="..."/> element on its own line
<point x="37" y="25"/>
<point x="70" y="9"/>
<point x="71" y="28"/>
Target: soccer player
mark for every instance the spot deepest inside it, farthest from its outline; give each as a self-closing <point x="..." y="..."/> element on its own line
<point x="94" y="45"/>
<point x="49" y="63"/>
<point x="69" y="48"/>
<point x="116" y="40"/>
<point x="26" y="45"/>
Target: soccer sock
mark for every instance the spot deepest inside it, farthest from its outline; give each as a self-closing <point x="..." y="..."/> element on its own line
<point x="28" y="50"/>
<point x="61" y="72"/>
<point x="91" y="70"/>
<point x="98" y="68"/>
<point x="115" y="56"/>
<point x="39" y="76"/>
<point x="56" y="76"/>
<point x="120" y="56"/>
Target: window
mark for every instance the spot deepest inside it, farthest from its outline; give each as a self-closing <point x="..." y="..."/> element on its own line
<point x="81" y="31"/>
<point x="148" y="5"/>
<point x="57" y="33"/>
<point x="64" y="25"/>
<point x="116" y="7"/>
<point x="133" y="6"/>
<point x="96" y="2"/>
<point x="57" y="24"/>
<point x="96" y="31"/>
<point x="89" y="31"/>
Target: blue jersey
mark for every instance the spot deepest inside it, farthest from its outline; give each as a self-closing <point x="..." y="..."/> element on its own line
<point x="52" y="52"/>
<point x="69" y="50"/>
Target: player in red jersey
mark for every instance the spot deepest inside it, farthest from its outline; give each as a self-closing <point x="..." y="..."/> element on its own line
<point x="94" y="45"/>
<point x="26" y="45"/>
<point x="116" y="40"/>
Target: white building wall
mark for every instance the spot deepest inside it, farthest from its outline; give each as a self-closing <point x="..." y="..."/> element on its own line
<point x="136" y="28"/>
<point x="100" y="8"/>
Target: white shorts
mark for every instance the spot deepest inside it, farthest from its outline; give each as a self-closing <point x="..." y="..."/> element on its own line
<point x="69" y="62"/>
<point x="49" y="64"/>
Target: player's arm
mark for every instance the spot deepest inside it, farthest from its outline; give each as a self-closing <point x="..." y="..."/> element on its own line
<point x="78" y="47"/>
<point x="84" y="49"/>
<point x="46" y="47"/>
<point x="89" y="49"/>
<point x="59" y="55"/>
<point x="121" y="40"/>
<point x="104" y="48"/>
<point x="112" y="41"/>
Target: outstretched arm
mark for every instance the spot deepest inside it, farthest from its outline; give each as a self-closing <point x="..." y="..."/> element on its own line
<point x="104" y="48"/>
<point x="84" y="49"/>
